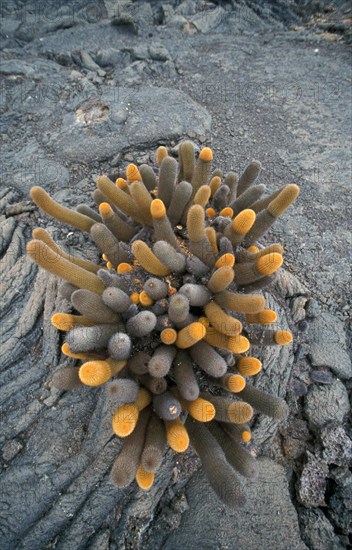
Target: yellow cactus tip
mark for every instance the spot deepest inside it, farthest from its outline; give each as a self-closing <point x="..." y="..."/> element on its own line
<point x="121" y="183"/>
<point x="268" y="264"/>
<point x="238" y="344"/>
<point x="125" y="419"/>
<point x="105" y="210"/>
<point x="144" y="299"/>
<point x="134" y="297"/>
<point x="168" y="336"/>
<point x="57" y="320"/>
<point x="201" y="409"/>
<point x="157" y="209"/>
<point x="226" y="212"/>
<point x="94" y="373"/>
<point x="197" y="330"/>
<point x="249" y="366"/>
<point x="161" y="153"/>
<point x="105" y="258"/>
<point x="283" y="337"/>
<point x="240" y="412"/>
<point x="246" y="436"/>
<point x="123" y="267"/>
<point x="226" y="259"/>
<point x="210" y="213"/>
<point x="109" y="265"/>
<point x="206" y="154"/>
<point x="177" y="437"/>
<point x="243" y="221"/>
<point x="144" y="479"/>
<point x="267" y="316"/>
<point x="236" y="383"/>
<point x="132" y="173"/>
<point x="253" y="249"/>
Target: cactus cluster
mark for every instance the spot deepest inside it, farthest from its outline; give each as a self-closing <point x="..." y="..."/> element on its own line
<point x="167" y="320"/>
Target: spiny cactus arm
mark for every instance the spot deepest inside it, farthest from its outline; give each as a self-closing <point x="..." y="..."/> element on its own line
<point x="250" y="272"/>
<point x="270" y="337"/>
<point x="87" y="211"/>
<point x="122" y="390"/>
<point x="197" y="295"/>
<point x="59" y="212"/>
<point x="180" y="199"/>
<point x="118" y="227"/>
<point x="116" y="299"/>
<point x="187" y="161"/>
<point x="167" y="406"/>
<point x="178" y="308"/>
<point x="167" y="180"/>
<point x="185" y="378"/>
<point x="221" y="279"/>
<point x="249" y="176"/>
<point x="156" y="386"/>
<point x="231" y="180"/>
<point x="228" y="410"/>
<point x="92" y="306"/>
<point x="196" y="267"/>
<point x="198" y="242"/>
<point x="237" y="230"/>
<point x="41" y="234"/>
<point x="202" y="169"/>
<point x="87" y="339"/>
<point x="119" y="346"/>
<point x="208" y="359"/>
<point x="46" y="258"/>
<point x="160" y="364"/>
<point x="210" y="233"/>
<point x="176" y="435"/>
<point x="250" y="303"/>
<point x="263" y="402"/>
<point x="126" y="465"/>
<point x="148" y="260"/>
<point x="66" y="378"/>
<point x="273" y="211"/>
<point x="143" y="199"/>
<point x="125" y="418"/>
<point x="67" y="321"/>
<point x="161" y="153"/>
<point x="234" y="344"/>
<point x="162" y="227"/>
<point x="141" y="324"/>
<point x="190" y="335"/>
<point x="221" y="321"/>
<point x="66" y="290"/>
<point x="221" y="197"/>
<point x="108" y="244"/>
<point x="220" y="474"/>
<point x="154" y="446"/>
<point x="238" y="457"/>
<point x="247" y="198"/>
<point x="148" y="176"/>
<point x="176" y="261"/>
<point x="120" y="199"/>
<point x="155" y="288"/>
<point x="214" y="185"/>
<point x="202" y="196"/>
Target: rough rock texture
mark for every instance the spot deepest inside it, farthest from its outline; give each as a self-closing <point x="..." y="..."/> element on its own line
<point x="88" y="87"/>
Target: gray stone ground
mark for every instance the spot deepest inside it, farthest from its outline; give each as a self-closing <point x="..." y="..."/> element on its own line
<point x="87" y="88"/>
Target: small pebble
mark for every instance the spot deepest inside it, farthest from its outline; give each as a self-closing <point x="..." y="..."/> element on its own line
<point x="321" y="377"/>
